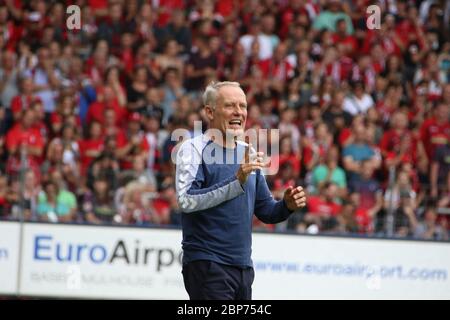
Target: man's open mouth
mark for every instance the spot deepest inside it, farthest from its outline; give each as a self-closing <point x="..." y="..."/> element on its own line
<point x="235" y="122"/>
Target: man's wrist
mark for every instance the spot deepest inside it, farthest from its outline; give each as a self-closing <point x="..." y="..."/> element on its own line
<point x="286" y="205"/>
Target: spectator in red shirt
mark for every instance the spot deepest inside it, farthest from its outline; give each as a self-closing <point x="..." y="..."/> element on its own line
<point x="106" y="100"/>
<point x="365" y="217"/>
<point x="112" y="80"/>
<point x="341" y="37"/>
<point x="387" y="36"/>
<point x="25" y="135"/>
<point x="398" y="144"/>
<point x="323" y="209"/>
<point x="134" y="144"/>
<point x="23" y="100"/>
<point x="279" y="69"/>
<point x="435" y="131"/>
<point x="91" y="147"/>
<point x="285" y="178"/>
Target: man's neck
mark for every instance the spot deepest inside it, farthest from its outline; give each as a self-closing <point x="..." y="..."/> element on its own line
<point x="229" y="143"/>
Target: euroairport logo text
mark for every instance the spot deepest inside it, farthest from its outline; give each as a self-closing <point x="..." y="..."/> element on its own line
<point x="47" y="248"/>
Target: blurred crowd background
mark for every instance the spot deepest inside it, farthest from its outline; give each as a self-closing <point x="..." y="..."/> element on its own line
<point x="86" y="115"/>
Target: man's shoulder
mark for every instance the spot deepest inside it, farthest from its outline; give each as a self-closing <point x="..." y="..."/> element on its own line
<point x="191" y="148"/>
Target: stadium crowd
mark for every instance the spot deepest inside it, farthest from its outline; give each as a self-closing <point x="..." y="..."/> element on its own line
<point x="87" y="115"/>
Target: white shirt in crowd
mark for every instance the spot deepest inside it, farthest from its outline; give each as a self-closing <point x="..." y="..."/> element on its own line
<point x="354" y="105"/>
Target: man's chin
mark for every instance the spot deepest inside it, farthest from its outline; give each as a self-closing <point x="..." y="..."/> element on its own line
<point x="234" y="133"/>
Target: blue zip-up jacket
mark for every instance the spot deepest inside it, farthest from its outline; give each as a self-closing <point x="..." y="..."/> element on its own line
<point x="216" y="210"/>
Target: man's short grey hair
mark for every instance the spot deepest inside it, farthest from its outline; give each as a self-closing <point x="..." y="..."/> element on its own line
<point x="212" y="92"/>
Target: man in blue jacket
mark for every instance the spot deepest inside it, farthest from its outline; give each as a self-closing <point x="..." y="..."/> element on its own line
<point x="219" y="187"/>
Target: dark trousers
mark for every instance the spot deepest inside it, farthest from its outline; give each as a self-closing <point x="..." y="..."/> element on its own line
<point x="209" y="280"/>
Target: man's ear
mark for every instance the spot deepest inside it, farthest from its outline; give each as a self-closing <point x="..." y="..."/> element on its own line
<point x="209" y="112"/>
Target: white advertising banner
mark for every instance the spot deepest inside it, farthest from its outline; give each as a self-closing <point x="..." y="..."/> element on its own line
<point x="141" y="263"/>
<point x="317" y="267"/>
<point x="102" y="262"/>
<point x="9" y="256"/>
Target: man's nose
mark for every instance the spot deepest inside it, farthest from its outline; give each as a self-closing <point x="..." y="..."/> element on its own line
<point x="237" y="110"/>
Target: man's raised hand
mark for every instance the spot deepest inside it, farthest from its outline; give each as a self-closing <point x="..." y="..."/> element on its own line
<point x="294" y="198"/>
<point x="251" y="162"/>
